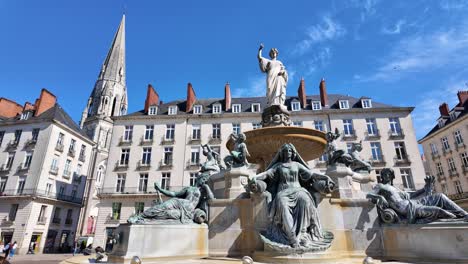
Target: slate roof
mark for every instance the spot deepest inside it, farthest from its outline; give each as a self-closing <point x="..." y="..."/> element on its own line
<point x="461" y="109"/>
<point x="246" y="103"/>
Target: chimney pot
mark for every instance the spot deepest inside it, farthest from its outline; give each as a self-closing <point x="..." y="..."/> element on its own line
<point x="152" y="98"/>
<point x="46" y="101"/>
<point x="444" y="109"/>
<point x="301" y="93"/>
<point x="462" y="97"/>
<point x="191" y="98"/>
<point x="323" y="93"/>
<point x="227" y="97"/>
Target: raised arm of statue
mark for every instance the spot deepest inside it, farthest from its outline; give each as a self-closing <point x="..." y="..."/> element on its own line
<point x="168" y="193"/>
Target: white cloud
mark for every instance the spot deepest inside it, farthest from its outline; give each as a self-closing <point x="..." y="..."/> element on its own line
<point x="367" y="7"/>
<point x="427" y="110"/>
<point x="256" y="87"/>
<point x="396" y="29"/>
<point x="326" y="30"/>
<point x="420" y="53"/>
<point x="319" y="60"/>
<point x="453" y="4"/>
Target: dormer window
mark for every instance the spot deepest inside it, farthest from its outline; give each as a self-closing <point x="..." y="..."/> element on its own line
<point x="366" y="103"/>
<point x="152" y="110"/>
<point x="295" y="106"/>
<point x="255" y="108"/>
<point x="172" y="110"/>
<point x="236" y="108"/>
<point x="316" y="105"/>
<point x="453" y="115"/>
<point x="197" y="109"/>
<point x="344" y="104"/>
<point x="441" y="122"/>
<point x="26" y="115"/>
<point x="217" y="109"/>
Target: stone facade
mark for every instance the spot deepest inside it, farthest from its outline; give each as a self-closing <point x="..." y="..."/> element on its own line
<point x="446" y="153"/>
<point x="44" y="160"/>
<point x="162" y="144"/>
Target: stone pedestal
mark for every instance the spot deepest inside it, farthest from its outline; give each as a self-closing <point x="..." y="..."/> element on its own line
<point x="351" y="185"/>
<point x="159" y="241"/>
<point x="230" y="184"/>
<point x="276" y="115"/>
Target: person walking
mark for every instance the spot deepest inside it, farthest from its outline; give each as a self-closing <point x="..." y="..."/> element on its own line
<point x="75" y="247"/>
<point x="6" y="249"/>
<point x="13" y="250"/>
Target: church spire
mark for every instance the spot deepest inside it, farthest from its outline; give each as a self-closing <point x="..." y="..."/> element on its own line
<point x="109" y="96"/>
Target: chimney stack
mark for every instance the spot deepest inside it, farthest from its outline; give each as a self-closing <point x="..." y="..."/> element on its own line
<point x="9" y="108"/>
<point x="28" y="106"/>
<point x="301" y="93"/>
<point x="46" y="101"/>
<point x="227" y="97"/>
<point x="191" y="98"/>
<point x="444" y="109"/>
<point x="152" y="98"/>
<point x="462" y="96"/>
<point x="323" y="93"/>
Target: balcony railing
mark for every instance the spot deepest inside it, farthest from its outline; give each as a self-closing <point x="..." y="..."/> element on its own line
<point x="191" y="165"/>
<point x="375" y="135"/>
<point x="165" y="164"/>
<point x="82" y="158"/>
<point x="134" y="190"/>
<point x="68" y="221"/>
<point x="378" y="161"/>
<point x="453" y="173"/>
<point x="59" y="147"/>
<point x="56" y="220"/>
<point x="42" y="194"/>
<point x="146" y="142"/>
<point x="458" y="196"/>
<point x="396" y="134"/>
<point x="402" y="161"/>
<point x="446" y="151"/>
<point x="215" y="139"/>
<point x="143" y="165"/>
<point x="42" y="220"/>
<point x="465" y="169"/>
<point x="121" y="166"/>
<point x="5" y="168"/>
<point x="440" y="176"/>
<point x="24" y="166"/>
<point x="12" y="144"/>
<point x="435" y="155"/>
<point x="71" y="153"/>
<point x="350" y="136"/>
<point x="30" y="142"/>
<point x="125" y="141"/>
<point x="53" y="170"/>
<point x="66" y="174"/>
<point x="194" y="140"/>
<point x="167" y="141"/>
<point x="77" y="178"/>
<point x="459" y="146"/>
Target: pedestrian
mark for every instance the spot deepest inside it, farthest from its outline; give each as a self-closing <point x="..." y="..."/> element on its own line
<point x="6" y="249"/>
<point x="31" y="247"/>
<point x="75" y="247"/>
<point x="13" y="250"/>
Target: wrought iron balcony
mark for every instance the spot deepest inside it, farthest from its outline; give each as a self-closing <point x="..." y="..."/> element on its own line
<point x="119" y="165"/>
<point x="110" y="191"/>
<point x="5" y="167"/>
<point x="146" y="141"/>
<point x="464" y="169"/>
<point x="191" y="165"/>
<point x="378" y="161"/>
<point x="125" y="141"/>
<point x="66" y="174"/>
<point x="459" y="146"/>
<point x="42" y="194"/>
<point x="194" y="140"/>
<point x="42" y="220"/>
<point x="30" y="142"/>
<point x="435" y="155"/>
<point x="396" y="134"/>
<point x="141" y="165"/>
<point x="440" y="176"/>
<point x="402" y="161"/>
<point x="375" y="135"/>
<point x="165" y="164"/>
<point x="71" y="153"/>
<point x="53" y="170"/>
<point x="446" y="151"/>
<point x="453" y="173"/>
<point x="13" y="144"/>
<point x="167" y="141"/>
<point x="59" y="147"/>
<point x="350" y="136"/>
<point x="215" y="138"/>
<point x="24" y="166"/>
<point x="82" y="158"/>
<point x="77" y="178"/>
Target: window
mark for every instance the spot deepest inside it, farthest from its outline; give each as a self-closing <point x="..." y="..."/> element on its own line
<point x="128" y="133"/>
<point x="458" y="137"/>
<point x="407" y="179"/>
<point x="143" y="183"/>
<point x="371" y="127"/>
<point x="255" y="108"/>
<point x="61" y="191"/>
<point x="297" y="123"/>
<point x="78" y="169"/>
<point x="197" y="109"/>
<point x="434" y="149"/>
<point x="20" y="187"/>
<point x="318" y="124"/>
<point x="453" y="115"/>
<point x="71" y="149"/>
<point x="120" y="187"/>
<point x="67" y="168"/>
<point x="193" y="178"/>
<point x="236" y="108"/>
<point x="344" y="104"/>
<point x="82" y="153"/>
<point x="35" y="134"/>
<point x="236" y="129"/>
<point x="440" y="169"/>
<point x="3" y="181"/>
<point x="166" y="180"/>
<point x="168" y="155"/>
<point x="256" y="125"/>
<point x="48" y="188"/>
<point x="348" y="129"/>
<point x="27" y="160"/>
<point x="216" y="109"/>
<point x="116" y="207"/>
<point x="13" y="211"/>
<point x="54" y="165"/>
<point x="69" y="214"/>
<point x="445" y="143"/>
<point x="172" y="110"/>
<point x="152" y="110"/>
<point x="10" y="159"/>
<point x="170" y="131"/>
<point x="56" y="218"/>
<point x="2" y="135"/>
<point x="216" y="131"/>
<point x="195" y="156"/>
<point x="441" y="122"/>
<point x="42" y="214"/>
<point x="316" y="105"/>
<point x="395" y="128"/>
<point x="124" y="156"/>
<point x="60" y="139"/>
<point x="74" y="191"/>
<point x="444" y="188"/>
<point x="451" y="164"/>
<point x="366" y="103"/>
<point x="139" y="207"/>
<point x="377" y="175"/>
<point x="25" y="115"/>
<point x="196" y="131"/>
<point x="17" y="136"/>
<point x="349" y="146"/>
<point x="295" y="106"/>
<point x="464" y="159"/>
<point x="146" y="158"/>
<point x="376" y="151"/>
<point x="458" y="187"/>
<point x="400" y="151"/>
<point x="149" y="131"/>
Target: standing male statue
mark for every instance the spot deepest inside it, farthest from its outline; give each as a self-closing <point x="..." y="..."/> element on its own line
<point x="277" y="77"/>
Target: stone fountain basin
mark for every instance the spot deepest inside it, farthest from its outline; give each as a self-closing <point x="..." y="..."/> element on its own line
<point x="264" y="143"/>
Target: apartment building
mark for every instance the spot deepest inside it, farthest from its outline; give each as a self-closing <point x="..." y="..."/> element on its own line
<point x="162" y="142"/>
<point x="44" y="160"/>
<point x="445" y="150"/>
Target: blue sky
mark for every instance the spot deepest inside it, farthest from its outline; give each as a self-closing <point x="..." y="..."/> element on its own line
<point x="405" y="53"/>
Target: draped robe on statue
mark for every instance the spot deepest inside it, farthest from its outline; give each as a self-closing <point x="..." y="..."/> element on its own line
<point x="276" y="84"/>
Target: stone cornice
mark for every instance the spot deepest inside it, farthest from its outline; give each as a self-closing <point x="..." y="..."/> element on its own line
<point x="443" y="129"/>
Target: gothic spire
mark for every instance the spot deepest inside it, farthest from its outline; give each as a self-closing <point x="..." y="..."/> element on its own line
<point x="113" y="67"/>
